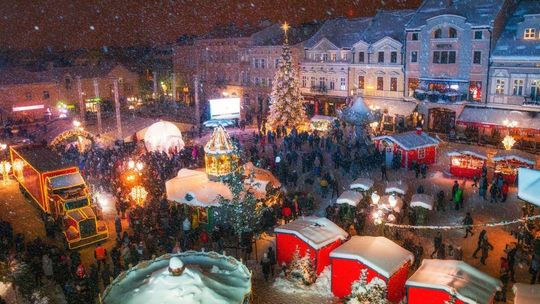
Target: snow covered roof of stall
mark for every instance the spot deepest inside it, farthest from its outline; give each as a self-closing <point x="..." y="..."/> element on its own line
<point x="529" y="185"/>
<point x="492" y="116"/>
<point x="511" y="42"/>
<point x="219" y="143"/>
<point x="526" y="293"/>
<point x="469" y="284"/>
<point x="393" y="107"/>
<point x="192" y="187"/>
<point x="362" y="183"/>
<point x="378" y="253"/>
<point x="352" y="198"/>
<point x="315" y="231"/>
<point x="422" y="200"/>
<point x="387" y="23"/>
<point x="66" y="180"/>
<point x="208" y="277"/>
<point x="342" y="32"/>
<point x="471" y="151"/>
<point x="514" y="154"/>
<point x="273" y="35"/>
<point x="477" y="12"/>
<point x="410" y="140"/>
<point x="396" y="186"/>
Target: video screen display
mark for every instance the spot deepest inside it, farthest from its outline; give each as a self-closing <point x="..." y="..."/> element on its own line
<point x="225" y="108"/>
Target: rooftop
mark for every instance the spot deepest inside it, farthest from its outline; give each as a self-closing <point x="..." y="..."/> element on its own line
<point x="411" y="140"/>
<point x="273" y="35"/>
<point x="387" y="23"/>
<point x="315" y="231"/>
<point x="43" y="158"/>
<point x="343" y="33"/>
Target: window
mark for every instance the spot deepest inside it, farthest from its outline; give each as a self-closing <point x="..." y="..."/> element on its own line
<point x="342" y="84"/>
<point x="452" y="57"/>
<point x="345" y="57"/>
<point x="393" y="57"/>
<point x="414" y="56"/>
<point x="436" y="57"/>
<point x="535" y="90"/>
<point x="380" y="84"/>
<point x="361" y="80"/>
<point x="421" y="153"/>
<point x="312" y="82"/>
<point x="475" y="90"/>
<point x="444" y="57"/>
<point x="257" y="82"/>
<point x="414" y="36"/>
<point x="263" y="63"/>
<point x="530" y="33"/>
<point x="381" y="57"/>
<point x="46" y="95"/>
<point x="322" y="82"/>
<point x="452" y="33"/>
<point x="67" y="83"/>
<point x="332" y="84"/>
<point x="333" y="57"/>
<point x="478" y="35"/>
<point x="325" y="57"/>
<point x="393" y="84"/>
<point x="256" y="63"/>
<point x="517" y="90"/>
<point x="28" y="95"/>
<point x="276" y="63"/>
<point x="304" y="81"/>
<point x="499" y="87"/>
<point x="477" y="57"/>
<point x="437" y="34"/>
<point x="361" y="57"/>
<point x="263" y="82"/>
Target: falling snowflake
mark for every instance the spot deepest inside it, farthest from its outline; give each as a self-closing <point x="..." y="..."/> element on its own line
<point x="36" y="27"/>
<point x="92" y="27"/>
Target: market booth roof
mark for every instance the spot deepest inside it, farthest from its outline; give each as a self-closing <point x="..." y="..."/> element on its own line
<point x="411" y="140"/>
<point x="529" y="185"/>
<point x="362" y="183"/>
<point x="378" y="253"/>
<point x="456" y="277"/>
<point x="315" y="231"/>
<point x="352" y="198"/>
<point x="397" y="187"/>
<point x="468" y="152"/>
<point x="422" y="200"/>
<point x="516" y="155"/>
<point x="495" y="117"/>
<point x="526" y="293"/>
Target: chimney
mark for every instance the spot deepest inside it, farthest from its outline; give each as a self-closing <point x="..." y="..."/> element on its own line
<point x="418" y="131"/>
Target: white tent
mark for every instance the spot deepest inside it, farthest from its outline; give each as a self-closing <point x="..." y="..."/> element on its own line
<point x="397" y="187"/>
<point x="361" y="183"/>
<point x="162" y="136"/>
<point x="526" y="294"/>
<point x="422" y="200"/>
<point x="529" y="185"/>
<point x="352" y="198"/>
<point x="193" y="188"/>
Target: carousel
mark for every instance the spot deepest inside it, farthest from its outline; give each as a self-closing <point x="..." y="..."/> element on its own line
<point x="467" y="163"/>
<point x="507" y="163"/>
<point x="221" y="157"/>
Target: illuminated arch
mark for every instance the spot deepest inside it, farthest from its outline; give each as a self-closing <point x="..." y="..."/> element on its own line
<point x="69" y="135"/>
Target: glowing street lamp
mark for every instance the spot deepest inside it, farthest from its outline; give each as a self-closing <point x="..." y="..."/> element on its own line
<point x="76" y="124"/>
<point x="138" y="194"/>
<point x="509" y="124"/>
<point x="508" y="142"/>
<point x="5" y="167"/>
<point x="375" y="198"/>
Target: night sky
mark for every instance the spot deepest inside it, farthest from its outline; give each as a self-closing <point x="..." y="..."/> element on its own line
<point x="74" y="24"/>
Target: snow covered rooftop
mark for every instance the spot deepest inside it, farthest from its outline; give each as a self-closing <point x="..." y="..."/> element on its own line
<point x="193" y="188"/>
<point x="219" y="143"/>
<point x="393" y="107"/>
<point x="410" y="140"/>
<point x="315" y="231"/>
<point x="362" y="183"/>
<point x="476" y="12"/>
<point x="526" y="294"/>
<point x="342" y="32"/>
<point x="456" y="277"/>
<point x="514" y="154"/>
<point x="511" y="43"/>
<point x="387" y="23"/>
<point x="491" y="116"/>
<point x="208" y="277"/>
<point x="378" y="253"/>
<point x="529" y="185"/>
<point x="470" y="151"/>
<point x="352" y="198"/>
<point x="422" y="200"/>
<point x="396" y="186"/>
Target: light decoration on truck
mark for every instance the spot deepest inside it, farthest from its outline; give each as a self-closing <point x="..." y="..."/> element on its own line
<point x="508" y="142"/>
<point x="18" y="166"/>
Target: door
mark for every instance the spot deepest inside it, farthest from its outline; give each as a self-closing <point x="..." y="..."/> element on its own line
<point x="389" y="155"/>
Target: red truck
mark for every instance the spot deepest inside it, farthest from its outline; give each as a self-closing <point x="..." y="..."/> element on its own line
<point x="58" y="188"/>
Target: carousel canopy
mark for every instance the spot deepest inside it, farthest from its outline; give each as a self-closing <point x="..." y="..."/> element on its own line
<point x="456" y="277"/>
<point x="315" y="231"/>
<point x="194" y="188"/>
<point x="162" y="137"/>
<point x="361" y="183"/>
<point x="468" y="152"/>
<point x="397" y="187"/>
<point x="517" y="155"/>
<point x="219" y="143"/>
<point x="529" y="185"/>
<point x="352" y="198"/>
<point x="422" y="200"/>
<point x="526" y="294"/>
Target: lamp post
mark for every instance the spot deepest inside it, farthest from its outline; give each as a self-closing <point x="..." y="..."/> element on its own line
<point x="5" y="168"/>
<point x="138" y="194"/>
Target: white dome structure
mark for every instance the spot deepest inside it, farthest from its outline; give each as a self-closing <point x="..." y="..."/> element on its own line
<point x="162" y="137"/>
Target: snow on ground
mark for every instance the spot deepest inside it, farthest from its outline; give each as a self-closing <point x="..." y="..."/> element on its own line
<point x="321" y="287"/>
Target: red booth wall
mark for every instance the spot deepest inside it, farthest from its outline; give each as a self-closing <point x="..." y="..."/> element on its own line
<point x="345" y="272"/>
<point x="429" y="157"/>
<point x="422" y="295"/>
<point x="465" y="172"/>
<point x="396" y="284"/>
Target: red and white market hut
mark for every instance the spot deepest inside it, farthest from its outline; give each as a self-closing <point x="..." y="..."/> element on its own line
<point x="467" y="163"/>
<point x="381" y="257"/>
<point x="508" y="161"/>
<point x="414" y="146"/>
<point x="318" y="235"/>
<point x="440" y="281"/>
<point x="526" y="293"/>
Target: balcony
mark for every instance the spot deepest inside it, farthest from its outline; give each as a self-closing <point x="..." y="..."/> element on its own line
<point x="319" y="89"/>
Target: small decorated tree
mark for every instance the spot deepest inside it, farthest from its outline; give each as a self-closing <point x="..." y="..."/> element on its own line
<point x="301" y="269"/>
<point x="364" y="292"/>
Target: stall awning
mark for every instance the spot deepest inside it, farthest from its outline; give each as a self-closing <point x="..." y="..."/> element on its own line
<point x="468" y="152"/>
<point x="495" y="117"/>
<point x="529" y="185"/>
<point x="515" y="155"/>
<point x="393" y="107"/>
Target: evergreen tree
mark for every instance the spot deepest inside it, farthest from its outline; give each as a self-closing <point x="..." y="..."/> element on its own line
<point x="364" y="292"/>
<point x="301" y="269"/>
<point x="286" y="107"/>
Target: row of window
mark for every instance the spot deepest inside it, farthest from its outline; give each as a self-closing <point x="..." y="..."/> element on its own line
<point x="323" y="82"/>
<point x="530" y="33"/>
<point x="518" y="87"/>
<point x="260" y="63"/>
<point x="45" y="94"/>
<point x="380" y="83"/>
<point x="447" y="57"/>
<point x="264" y="82"/>
<point x="452" y="33"/>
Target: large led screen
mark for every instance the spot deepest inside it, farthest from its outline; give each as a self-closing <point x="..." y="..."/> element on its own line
<point x="225" y="108"/>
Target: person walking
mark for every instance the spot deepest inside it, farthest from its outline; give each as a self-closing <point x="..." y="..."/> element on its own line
<point x="437" y="242"/>
<point x="266" y="265"/>
<point x="458" y="198"/>
<point x="486" y="247"/>
<point x="479" y="243"/>
<point x="272" y="257"/>
<point x="440" y="201"/>
<point x="468" y="221"/>
<point x="455" y="188"/>
<point x="384" y="176"/>
<point x="475" y="181"/>
<point x="504" y="191"/>
<point x="423" y="170"/>
<point x="100" y="254"/>
<point x="118" y="226"/>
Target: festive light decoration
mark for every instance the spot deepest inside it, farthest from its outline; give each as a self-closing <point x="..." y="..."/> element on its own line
<point x="138" y="194"/>
<point x="502" y="223"/>
<point x="508" y="142"/>
<point x="5" y="168"/>
<point x="510" y="124"/>
<point x="221" y="157"/>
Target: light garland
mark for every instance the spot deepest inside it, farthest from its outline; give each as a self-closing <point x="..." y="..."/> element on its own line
<point x="503" y="223"/>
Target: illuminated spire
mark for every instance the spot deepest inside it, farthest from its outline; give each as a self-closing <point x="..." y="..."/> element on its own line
<point x="285" y="27"/>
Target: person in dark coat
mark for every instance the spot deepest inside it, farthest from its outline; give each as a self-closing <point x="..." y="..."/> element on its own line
<point x="106" y="275"/>
<point x="272" y="257"/>
<point x="468" y="221"/>
<point x="479" y="243"/>
<point x="437" y="242"/>
<point x="486" y="247"/>
<point x="266" y="265"/>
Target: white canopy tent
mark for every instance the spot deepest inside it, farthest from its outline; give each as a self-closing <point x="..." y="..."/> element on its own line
<point x="192" y="187"/>
<point x="362" y="183"/>
<point x="529" y="185"/>
<point x="396" y="187"/>
<point x="352" y="198"/>
<point x="422" y="200"/>
<point x="163" y="136"/>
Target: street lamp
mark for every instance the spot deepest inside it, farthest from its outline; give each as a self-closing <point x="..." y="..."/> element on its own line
<point x="76" y="124"/>
<point x="138" y="194"/>
<point x="5" y="167"/>
<point x="508" y="142"/>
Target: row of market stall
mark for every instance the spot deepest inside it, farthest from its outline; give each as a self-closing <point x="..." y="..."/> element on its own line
<point x="435" y="281"/>
<point x="470" y="163"/>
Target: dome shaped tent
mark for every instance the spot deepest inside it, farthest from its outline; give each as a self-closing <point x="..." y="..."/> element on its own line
<point x="162" y="137"/>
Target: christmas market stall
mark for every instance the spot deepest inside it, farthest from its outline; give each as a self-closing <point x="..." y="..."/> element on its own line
<point x="508" y="161"/>
<point x="316" y="236"/>
<point x="383" y="259"/>
<point x="450" y="281"/>
<point x="348" y="202"/>
<point x="187" y="277"/>
<point x="403" y="149"/>
<point x="526" y="294"/>
<point x="421" y="204"/>
<point x="529" y="185"/>
<point x="467" y="163"/>
<point x="322" y="123"/>
<point x="362" y="184"/>
<point x="396" y="187"/>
